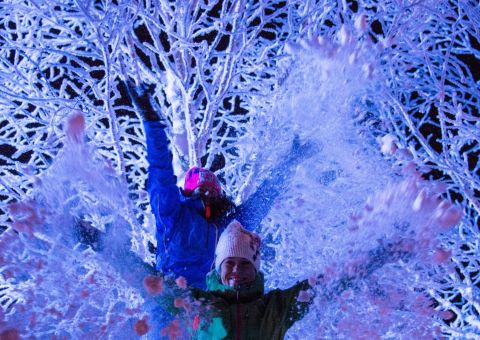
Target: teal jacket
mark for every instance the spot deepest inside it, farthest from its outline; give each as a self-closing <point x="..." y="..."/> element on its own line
<point x="247" y="313"/>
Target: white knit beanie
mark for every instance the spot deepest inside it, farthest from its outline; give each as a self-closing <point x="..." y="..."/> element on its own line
<point x="236" y="241"/>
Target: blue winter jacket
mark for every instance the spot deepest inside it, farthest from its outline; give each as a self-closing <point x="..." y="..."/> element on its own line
<point x="186" y="241"/>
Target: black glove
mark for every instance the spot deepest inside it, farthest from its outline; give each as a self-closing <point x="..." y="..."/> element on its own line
<point x="88" y="235"/>
<point x="141" y="98"/>
<point x="300" y="152"/>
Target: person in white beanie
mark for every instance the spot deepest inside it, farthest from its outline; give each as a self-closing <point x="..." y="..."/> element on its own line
<point x="235" y="306"/>
<point x="237" y="256"/>
<point x="235" y="290"/>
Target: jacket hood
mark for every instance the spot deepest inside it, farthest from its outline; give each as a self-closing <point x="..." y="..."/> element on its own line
<point x="242" y="294"/>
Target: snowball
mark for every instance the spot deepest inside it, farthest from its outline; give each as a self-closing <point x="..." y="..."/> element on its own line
<point x="153" y="285"/>
<point x="388" y="144"/>
<point x="141" y="326"/>
<point x="75" y="128"/>
<point x="181" y="282"/>
<point x="441" y="256"/>
<point x="361" y="24"/>
<point x="304" y="296"/>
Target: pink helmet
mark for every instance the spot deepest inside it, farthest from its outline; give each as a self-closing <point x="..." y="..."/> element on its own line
<point x="196" y="177"/>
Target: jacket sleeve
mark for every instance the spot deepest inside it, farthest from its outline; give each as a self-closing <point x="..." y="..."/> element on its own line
<point x="293" y="303"/>
<point x="162" y="183"/>
<point x="257" y="206"/>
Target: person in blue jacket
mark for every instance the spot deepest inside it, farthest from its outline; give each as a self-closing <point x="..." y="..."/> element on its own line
<point x="189" y="220"/>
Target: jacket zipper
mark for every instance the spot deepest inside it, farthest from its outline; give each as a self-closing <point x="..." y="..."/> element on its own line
<point x="239" y="319"/>
<point x="208" y="234"/>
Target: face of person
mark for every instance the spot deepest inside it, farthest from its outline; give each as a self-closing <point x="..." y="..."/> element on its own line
<point x="206" y="193"/>
<point x="236" y="271"/>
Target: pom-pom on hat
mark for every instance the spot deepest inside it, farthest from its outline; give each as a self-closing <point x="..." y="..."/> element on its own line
<point x="197" y="176"/>
<point x="236" y="241"/>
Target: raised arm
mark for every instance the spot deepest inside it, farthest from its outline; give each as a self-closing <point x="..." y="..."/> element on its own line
<point x="363" y="266"/>
<point x="291" y="304"/>
<point x="253" y="211"/>
<point x="161" y="184"/>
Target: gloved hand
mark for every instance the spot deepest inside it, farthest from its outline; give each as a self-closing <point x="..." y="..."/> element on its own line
<point x="141" y="98"/>
<point x="88" y="235"/>
<point x="304" y="151"/>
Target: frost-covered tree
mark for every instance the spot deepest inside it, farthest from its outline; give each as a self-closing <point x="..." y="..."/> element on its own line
<point x="388" y="90"/>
